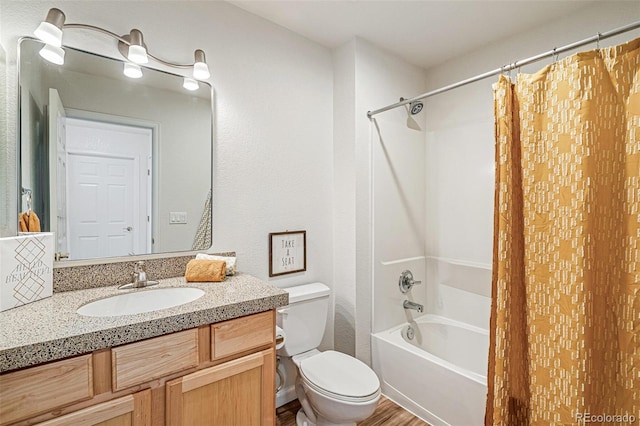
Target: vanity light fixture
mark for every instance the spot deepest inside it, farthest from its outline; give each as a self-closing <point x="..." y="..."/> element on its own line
<point x="131" y="46"/>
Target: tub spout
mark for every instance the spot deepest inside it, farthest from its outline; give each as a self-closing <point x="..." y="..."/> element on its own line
<point x="411" y="305"/>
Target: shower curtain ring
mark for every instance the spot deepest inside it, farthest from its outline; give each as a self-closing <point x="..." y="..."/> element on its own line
<point x="513" y="67"/>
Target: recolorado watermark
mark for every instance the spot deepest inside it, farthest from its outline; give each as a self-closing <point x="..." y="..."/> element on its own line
<point x="584" y="418"/>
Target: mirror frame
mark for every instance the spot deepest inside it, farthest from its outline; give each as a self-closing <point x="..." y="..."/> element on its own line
<point x="114" y="259"/>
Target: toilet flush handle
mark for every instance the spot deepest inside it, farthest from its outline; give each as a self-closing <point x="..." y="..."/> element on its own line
<point x="282" y="311"/>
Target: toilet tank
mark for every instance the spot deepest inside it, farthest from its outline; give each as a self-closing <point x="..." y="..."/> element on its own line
<point x="304" y="319"/>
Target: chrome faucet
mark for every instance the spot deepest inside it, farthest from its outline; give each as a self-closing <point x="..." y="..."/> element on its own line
<point x="139" y="278"/>
<point x="139" y="275"/>
<point x="411" y="305"/>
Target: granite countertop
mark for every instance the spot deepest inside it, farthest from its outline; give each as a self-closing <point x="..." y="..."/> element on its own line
<point x="50" y="329"/>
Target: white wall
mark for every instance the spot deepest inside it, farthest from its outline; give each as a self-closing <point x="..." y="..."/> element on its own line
<point x="392" y="155"/>
<point x="5" y="155"/>
<point x="397" y="144"/>
<point x="344" y="199"/>
<point x="273" y="117"/>
<point x="389" y="188"/>
<point x="460" y="157"/>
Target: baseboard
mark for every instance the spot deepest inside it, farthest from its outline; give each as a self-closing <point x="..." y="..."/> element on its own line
<point x="408" y="404"/>
<point x="285" y="396"/>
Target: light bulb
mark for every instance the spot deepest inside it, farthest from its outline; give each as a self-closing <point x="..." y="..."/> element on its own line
<point x="190" y="84"/>
<point x="200" y="68"/>
<point x="132" y="70"/>
<point x="53" y="54"/>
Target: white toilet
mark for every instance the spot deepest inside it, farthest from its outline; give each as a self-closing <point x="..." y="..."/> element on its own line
<point x="333" y="388"/>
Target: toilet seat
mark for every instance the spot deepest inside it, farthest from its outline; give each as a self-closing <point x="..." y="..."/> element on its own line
<point x="340" y="376"/>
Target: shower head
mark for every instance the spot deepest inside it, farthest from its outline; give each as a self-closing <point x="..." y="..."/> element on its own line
<point x="415" y="107"/>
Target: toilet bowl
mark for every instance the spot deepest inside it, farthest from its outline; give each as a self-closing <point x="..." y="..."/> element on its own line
<point x="340" y="389"/>
<point x="333" y="388"/>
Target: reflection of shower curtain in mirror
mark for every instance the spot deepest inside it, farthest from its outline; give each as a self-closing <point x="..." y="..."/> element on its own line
<point x="202" y="240"/>
<point x="565" y="318"/>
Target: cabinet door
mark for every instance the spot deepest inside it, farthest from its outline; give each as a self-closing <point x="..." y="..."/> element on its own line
<point x="237" y="393"/>
<point x="130" y="410"/>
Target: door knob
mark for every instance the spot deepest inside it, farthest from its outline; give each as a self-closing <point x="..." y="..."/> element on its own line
<point x="128" y="228"/>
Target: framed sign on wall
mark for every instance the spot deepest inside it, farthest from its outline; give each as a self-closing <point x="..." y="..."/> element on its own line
<point x="287" y="252"/>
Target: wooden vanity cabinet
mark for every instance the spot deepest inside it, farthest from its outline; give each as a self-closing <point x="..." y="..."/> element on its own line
<point x="218" y="374"/>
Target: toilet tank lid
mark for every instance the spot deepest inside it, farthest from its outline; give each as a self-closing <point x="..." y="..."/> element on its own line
<point x="302" y="292"/>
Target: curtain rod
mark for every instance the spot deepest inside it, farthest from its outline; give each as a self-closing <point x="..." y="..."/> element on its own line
<point x="505" y="68"/>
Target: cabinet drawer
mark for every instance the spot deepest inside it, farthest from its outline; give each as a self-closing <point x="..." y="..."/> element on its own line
<point x="151" y="359"/>
<point x="241" y="334"/>
<point x="35" y="390"/>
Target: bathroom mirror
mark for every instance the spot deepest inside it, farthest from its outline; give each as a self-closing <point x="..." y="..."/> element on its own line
<point x="115" y="166"/>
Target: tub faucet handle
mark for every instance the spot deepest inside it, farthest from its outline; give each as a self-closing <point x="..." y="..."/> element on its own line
<point x="406" y="281"/>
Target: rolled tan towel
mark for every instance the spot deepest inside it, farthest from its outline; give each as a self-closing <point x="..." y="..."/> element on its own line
<point x="34" y="222"/>
<point x="202" y="270"/>
<point x="29" y="222"/>
<point x="231" y="261"/>
<point x="24" y="222"/>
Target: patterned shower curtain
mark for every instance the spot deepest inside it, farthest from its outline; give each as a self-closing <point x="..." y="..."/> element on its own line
<point x="202" y="240"/>
<point x="565" y="316"/>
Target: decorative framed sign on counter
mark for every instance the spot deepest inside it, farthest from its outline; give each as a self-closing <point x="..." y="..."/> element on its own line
<point x="287" y="252"/>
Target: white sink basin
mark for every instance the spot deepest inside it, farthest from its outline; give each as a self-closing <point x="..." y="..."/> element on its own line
<point x="140" y="301"/>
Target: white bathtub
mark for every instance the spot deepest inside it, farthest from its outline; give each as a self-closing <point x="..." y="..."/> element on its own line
<point x="440" y="375"/>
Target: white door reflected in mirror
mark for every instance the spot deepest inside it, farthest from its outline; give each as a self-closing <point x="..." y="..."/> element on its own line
<point x="109" y="186"/>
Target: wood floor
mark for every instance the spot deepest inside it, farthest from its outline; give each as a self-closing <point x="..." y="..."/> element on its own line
<point x="387" y="414"/>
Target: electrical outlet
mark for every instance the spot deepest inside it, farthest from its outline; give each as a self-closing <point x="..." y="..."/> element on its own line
<point x="177" y="217"/>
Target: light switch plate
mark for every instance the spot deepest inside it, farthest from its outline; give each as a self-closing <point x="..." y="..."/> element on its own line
<point x="177" y="217"/>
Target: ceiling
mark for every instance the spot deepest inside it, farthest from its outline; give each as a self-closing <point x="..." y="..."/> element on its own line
<point x="422" y="32"/>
